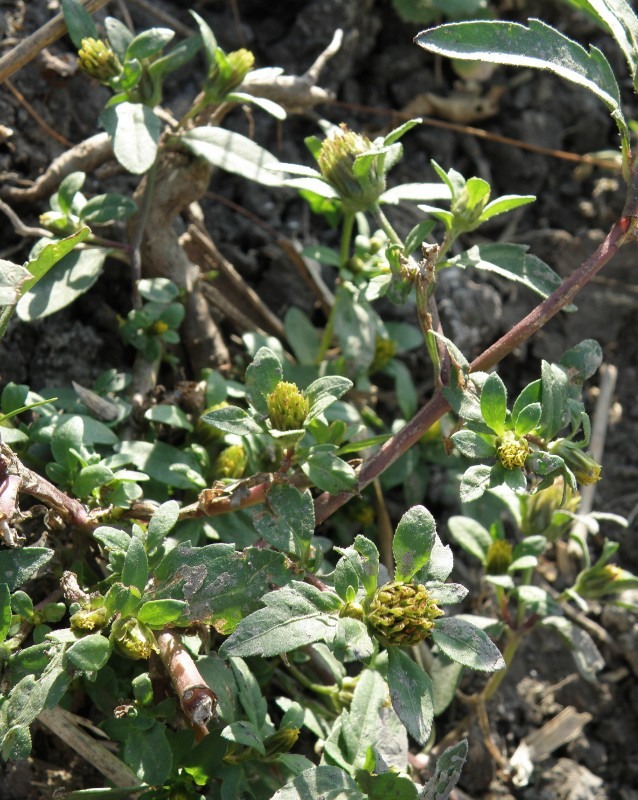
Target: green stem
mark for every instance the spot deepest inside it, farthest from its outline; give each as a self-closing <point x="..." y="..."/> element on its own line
<point x="318" y="688"/>
<point x="387" y="228"/>
<point x="5" y="317"/>
<point x="514" y="638"/>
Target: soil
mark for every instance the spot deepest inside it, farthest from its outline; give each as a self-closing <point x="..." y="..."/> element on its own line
<point x="378" y="70"/>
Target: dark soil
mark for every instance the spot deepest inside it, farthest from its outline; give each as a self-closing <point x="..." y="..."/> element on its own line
<point x="377" y="71"/>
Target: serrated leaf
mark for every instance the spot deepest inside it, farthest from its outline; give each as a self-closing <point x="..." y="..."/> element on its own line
<point x="468" y="645"/>
<point x="234" y="153"/>
<point x="411" y="694"/>
<point x="538" y="46"/>
<point x="413" y="541"/>
<point x="294" y="616"/>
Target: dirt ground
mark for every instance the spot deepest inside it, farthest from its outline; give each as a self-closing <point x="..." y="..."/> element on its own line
<point x="377" y="70"/>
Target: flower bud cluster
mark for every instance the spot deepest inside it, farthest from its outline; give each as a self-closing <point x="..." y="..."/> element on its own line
<point x="98" y="59"/>
<point x="512" y="450"/>
<point x="287" y="407"/>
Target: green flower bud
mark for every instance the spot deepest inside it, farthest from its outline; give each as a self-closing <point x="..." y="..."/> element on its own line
<point x="402" y="613"/>
<point x="281" y="742"/>
<point x="548" y="512"/>
<point x="336" y="160"/>
<point x="132" y="638"/>
<point x="91" y="616"/>
<point x="512" y="450"/>
<point x="585" y="468"/>
<point x="603" y="581"/>
<point x="229" y="71"/>
<point x="97" y="58"/>
<point x="231" y="462"/>
<point x="499" y="557"/>
<point x="384" y="352"/>
<point x="287" y="407"/>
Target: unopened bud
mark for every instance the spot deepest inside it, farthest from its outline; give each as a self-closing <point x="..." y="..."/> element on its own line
<point x="384" y="352"/>
<point x="287" y="407"/>
<point x="584" y="466"/>
<point x="132" y="638"/>
<point x="98" y="59"/>
<point x="499" y="557"/>
<point x="231" y="462"/>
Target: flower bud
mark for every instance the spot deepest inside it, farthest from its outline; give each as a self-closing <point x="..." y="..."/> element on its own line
<point x="281" y="742"/>
<point x="287" y="407"/>
<point x="499" y="557"/>
<point x="231" y="462"/>
<point x="91" y="616"/>
<point x="384" y="352"/>
<point x="336" y="160"/>
<point x="97" y="58"/>
<point x="132" y="638"/>
<point x="585" y="468"/>
<point x="222" y="79"/>
<point x="402" y="613"/>
<point x="548" y="512"/>
<point x="512" y="450"/>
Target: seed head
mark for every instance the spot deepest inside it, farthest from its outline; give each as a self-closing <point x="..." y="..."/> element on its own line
<point x="287" y="407"/>
<point x="132" y="638"/>
<point x="402" y="613"/>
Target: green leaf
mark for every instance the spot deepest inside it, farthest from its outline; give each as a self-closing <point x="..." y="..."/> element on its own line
<point x="327" y="471"/>
<point x="135" y="569"/>
<point x="447" y="772"/>
<point x="95" y="432"/>
<point x="134" y="129"/>
<point x="262" y="375"/>
<point x="333" y="783"/>
<point x="494" y="403"/>
<point x="527" y="419"/>
<point x="323" y="392"/>
<point x="169" y="415"/>
<point x="472" y="445"/>
<point x="269" y="106"/>
<point x="119" y="36"/>
<point x="352" y="641"/>
<point x="302" y="335"/>
<point x="244" y="733"/>
<point x="234" y="153"/>
<point x="294" y="616"/>
<point x="72" y="276"/>
<point x="510" y="261"/>
<point x="13" y="279"/>
<point x="232" y="419"/>
<point x="69" y="187"/>
<point x="361" y="726"/>
<point x="90" y="653"/>
<point x="105" y="208"/>
<point x="158" y="613"/>
<point x="18" y="566"/>
<point x="67" y="437"/>
<point x="553" y="399"/>
<point x="582" y="361"/>
<point x="91" y="478"/>
<point x="585" y="653"/>
<point x="507" y="202"/>
<point x="162" y="523"/>
<point x="411" y="694"/>
<point x="413" y="541"/>
<point x="220" y="585"/>
<point x="164" y="463"/>
<point x="208" y="38"/>
<point x="416" y="193"/>
<point x="148" y="752"/>
<point x="471" y="536"/>
<point x="539" y="46"/>
<point x="468" y="645"/>
<point x="148" y="43"/>
<point x="287" y="520"/>
<point x="79" y="22"/>
<point x="382" y="785"/>
<point x="620" y="19"/>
